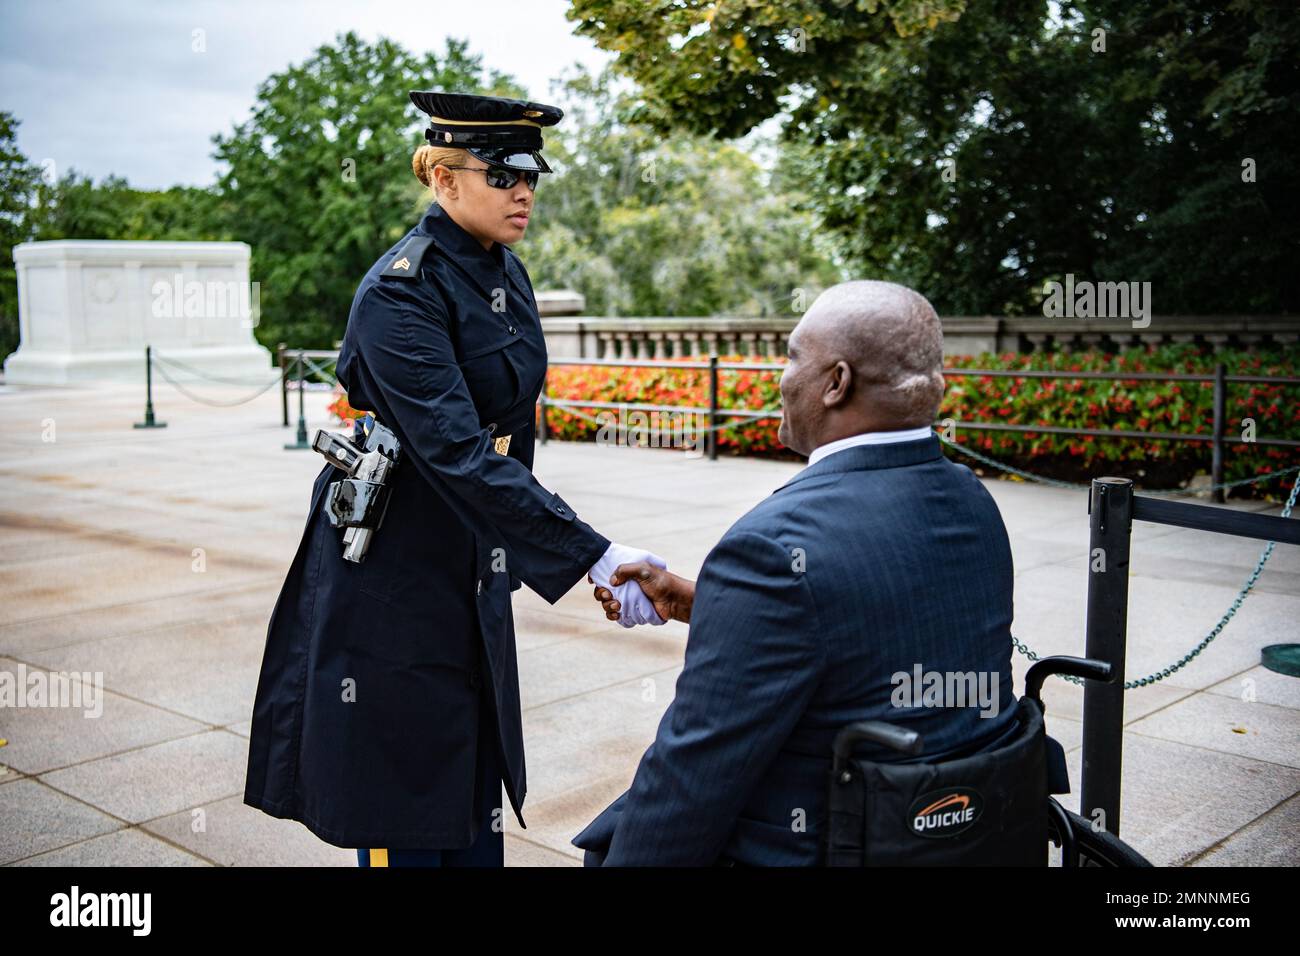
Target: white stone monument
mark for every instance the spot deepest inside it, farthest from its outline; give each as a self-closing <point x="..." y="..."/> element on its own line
<point x="87" y="309"/>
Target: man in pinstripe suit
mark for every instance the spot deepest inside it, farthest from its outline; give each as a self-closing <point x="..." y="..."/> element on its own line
<point x="880" y="558"/>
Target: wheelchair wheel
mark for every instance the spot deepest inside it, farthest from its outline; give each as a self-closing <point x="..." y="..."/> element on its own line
<point x="1095" y="848"/>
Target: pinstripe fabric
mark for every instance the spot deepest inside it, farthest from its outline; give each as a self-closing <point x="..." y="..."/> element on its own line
<point x="874" y="560"/>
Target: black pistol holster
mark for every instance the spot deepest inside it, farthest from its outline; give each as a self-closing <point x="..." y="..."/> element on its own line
<point x="358" y="502"/>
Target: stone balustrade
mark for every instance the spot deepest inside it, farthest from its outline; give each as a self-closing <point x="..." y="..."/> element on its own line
<point x="639" y="337"/>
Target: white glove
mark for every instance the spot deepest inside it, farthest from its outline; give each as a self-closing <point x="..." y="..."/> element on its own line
<point x="634" y="607"/>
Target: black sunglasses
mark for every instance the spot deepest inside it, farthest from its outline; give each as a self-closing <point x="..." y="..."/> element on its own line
<point x="500" y="178"/>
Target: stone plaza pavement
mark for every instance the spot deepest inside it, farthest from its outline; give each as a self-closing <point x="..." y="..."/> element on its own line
<point x="99" y="528"/>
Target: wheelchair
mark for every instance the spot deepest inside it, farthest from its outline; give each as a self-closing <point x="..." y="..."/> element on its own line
<point x="988" y="808"/>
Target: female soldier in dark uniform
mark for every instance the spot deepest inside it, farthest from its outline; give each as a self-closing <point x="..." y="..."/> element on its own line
<point x="387" y="709"/>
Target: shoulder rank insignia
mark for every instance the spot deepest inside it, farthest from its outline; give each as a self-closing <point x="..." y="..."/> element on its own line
<point x="405" y="263"/>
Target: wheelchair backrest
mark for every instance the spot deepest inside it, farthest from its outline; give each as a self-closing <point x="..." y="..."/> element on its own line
<point x="986" y="809"/>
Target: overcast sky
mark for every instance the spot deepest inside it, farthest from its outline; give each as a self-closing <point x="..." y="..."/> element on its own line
<point x="114" y="86"/>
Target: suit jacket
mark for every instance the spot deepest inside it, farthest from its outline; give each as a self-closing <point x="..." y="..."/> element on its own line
<point x="878" y="560"/>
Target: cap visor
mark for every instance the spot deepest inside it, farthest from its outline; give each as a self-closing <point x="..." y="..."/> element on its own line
<point x="512" y="158"/>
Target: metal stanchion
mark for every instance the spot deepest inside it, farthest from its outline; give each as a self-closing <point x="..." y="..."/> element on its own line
<point x="713" y="407"/>
<point x="1220" y="401"/>
<point x="302" y="442"/>
<point x="284" y="383"/>
<point x="1110" y="509"/>
<point x="149" y="420"/>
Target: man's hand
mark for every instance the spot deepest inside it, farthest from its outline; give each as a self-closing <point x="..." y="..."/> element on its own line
<point x="671" y="594"/>
<point x="634" y="606"/>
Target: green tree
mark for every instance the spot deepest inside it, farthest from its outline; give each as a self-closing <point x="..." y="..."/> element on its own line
<point x="73" y="206"/>
<point x="76" y="207"/>
<point x="319" y="180"/>
<point x="642" y="224"/>
<point x="1219" y="89"/>
<point x="977" y="151"/>
<point x="18" y="182"/>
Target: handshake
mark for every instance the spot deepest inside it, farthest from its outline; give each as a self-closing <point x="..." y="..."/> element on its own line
<point x="635" y="587"/>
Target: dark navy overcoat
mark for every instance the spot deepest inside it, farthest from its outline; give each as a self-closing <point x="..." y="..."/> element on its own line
<point x="367" y="721"/>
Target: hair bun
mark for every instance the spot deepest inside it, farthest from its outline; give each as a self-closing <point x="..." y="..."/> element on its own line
<point x="420" y="164"/>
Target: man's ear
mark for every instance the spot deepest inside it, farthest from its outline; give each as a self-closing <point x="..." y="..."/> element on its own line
<point x="841" y="384"/>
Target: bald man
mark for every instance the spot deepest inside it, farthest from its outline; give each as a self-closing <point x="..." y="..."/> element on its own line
<point x="876" y="584"/>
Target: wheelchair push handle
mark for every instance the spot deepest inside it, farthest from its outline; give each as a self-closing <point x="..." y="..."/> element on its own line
<point x="1084" y="667"/>
<point x="876" y="732"/>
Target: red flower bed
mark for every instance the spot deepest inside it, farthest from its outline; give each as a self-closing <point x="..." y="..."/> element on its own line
<point x="1127" y="404"/>
<point x="686" y="387"/>
<point x="340" y="408"/>
<point x="1130" y="405"/>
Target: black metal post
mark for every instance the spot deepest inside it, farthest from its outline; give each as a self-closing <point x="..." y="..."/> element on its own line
<point x="284" y="383"/>
<point x="1220" y="401"/>
<point x="149" y="420"/>
<point x="1110" y="507"/>
<point x="713" y="407"/>
<point x="302" y="411"/>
